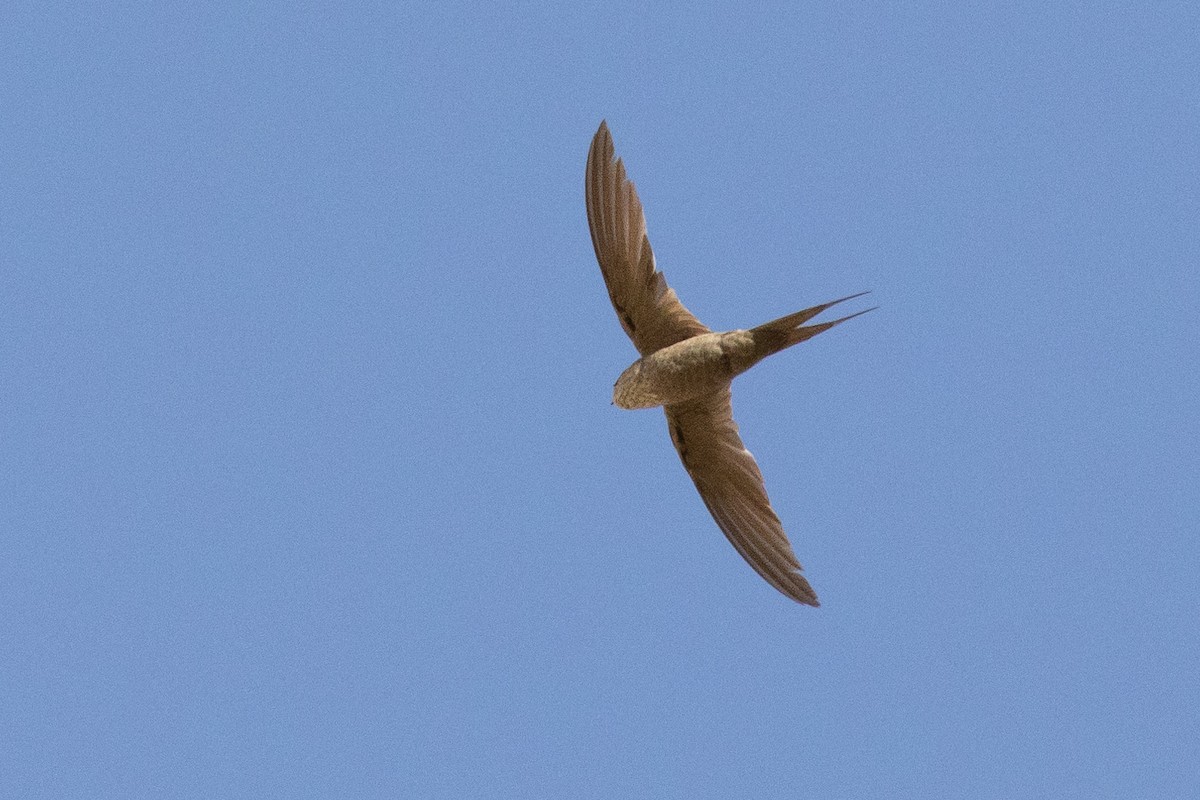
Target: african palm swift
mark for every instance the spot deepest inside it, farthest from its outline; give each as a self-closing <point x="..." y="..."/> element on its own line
<point x="687" y="369"/>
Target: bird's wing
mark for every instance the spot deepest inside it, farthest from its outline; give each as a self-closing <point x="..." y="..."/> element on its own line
<point x="731" y="485"/>
<point x="648" y="309"/>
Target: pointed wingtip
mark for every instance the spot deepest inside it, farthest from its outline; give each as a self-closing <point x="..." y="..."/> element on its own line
<point x="602" y="150"/>
<point x="803" y="593"/>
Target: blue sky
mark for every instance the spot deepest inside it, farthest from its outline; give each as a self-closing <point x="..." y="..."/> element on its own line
<point x="311" y="484"/>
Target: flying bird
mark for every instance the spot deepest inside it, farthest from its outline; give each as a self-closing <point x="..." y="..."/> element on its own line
<point x="687" y="369"/>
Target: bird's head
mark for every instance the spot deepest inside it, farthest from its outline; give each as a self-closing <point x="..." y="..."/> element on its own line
<point x="631" y="390"/>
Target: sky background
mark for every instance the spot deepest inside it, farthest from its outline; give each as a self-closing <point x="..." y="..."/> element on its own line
<point x="310" y="485"/>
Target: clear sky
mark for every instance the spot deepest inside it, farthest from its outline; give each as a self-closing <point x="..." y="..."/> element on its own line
<point x="312" y="487"/>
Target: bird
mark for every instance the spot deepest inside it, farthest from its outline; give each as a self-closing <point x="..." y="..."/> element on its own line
<point x="688" y="369"/>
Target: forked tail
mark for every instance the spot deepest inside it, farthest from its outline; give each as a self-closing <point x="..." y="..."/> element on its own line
<point x="784" y="332"/>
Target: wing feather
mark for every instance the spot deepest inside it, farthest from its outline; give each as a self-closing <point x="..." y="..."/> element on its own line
<point x="648" y="309"/>
<point x="731" y="485"/>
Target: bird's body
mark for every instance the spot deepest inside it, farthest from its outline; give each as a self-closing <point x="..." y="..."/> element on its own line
<point x="687" y="369"/>
<point x="684" y="370"/>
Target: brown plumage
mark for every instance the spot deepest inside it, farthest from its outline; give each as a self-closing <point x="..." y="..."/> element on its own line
<point x="687" y="369"/>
